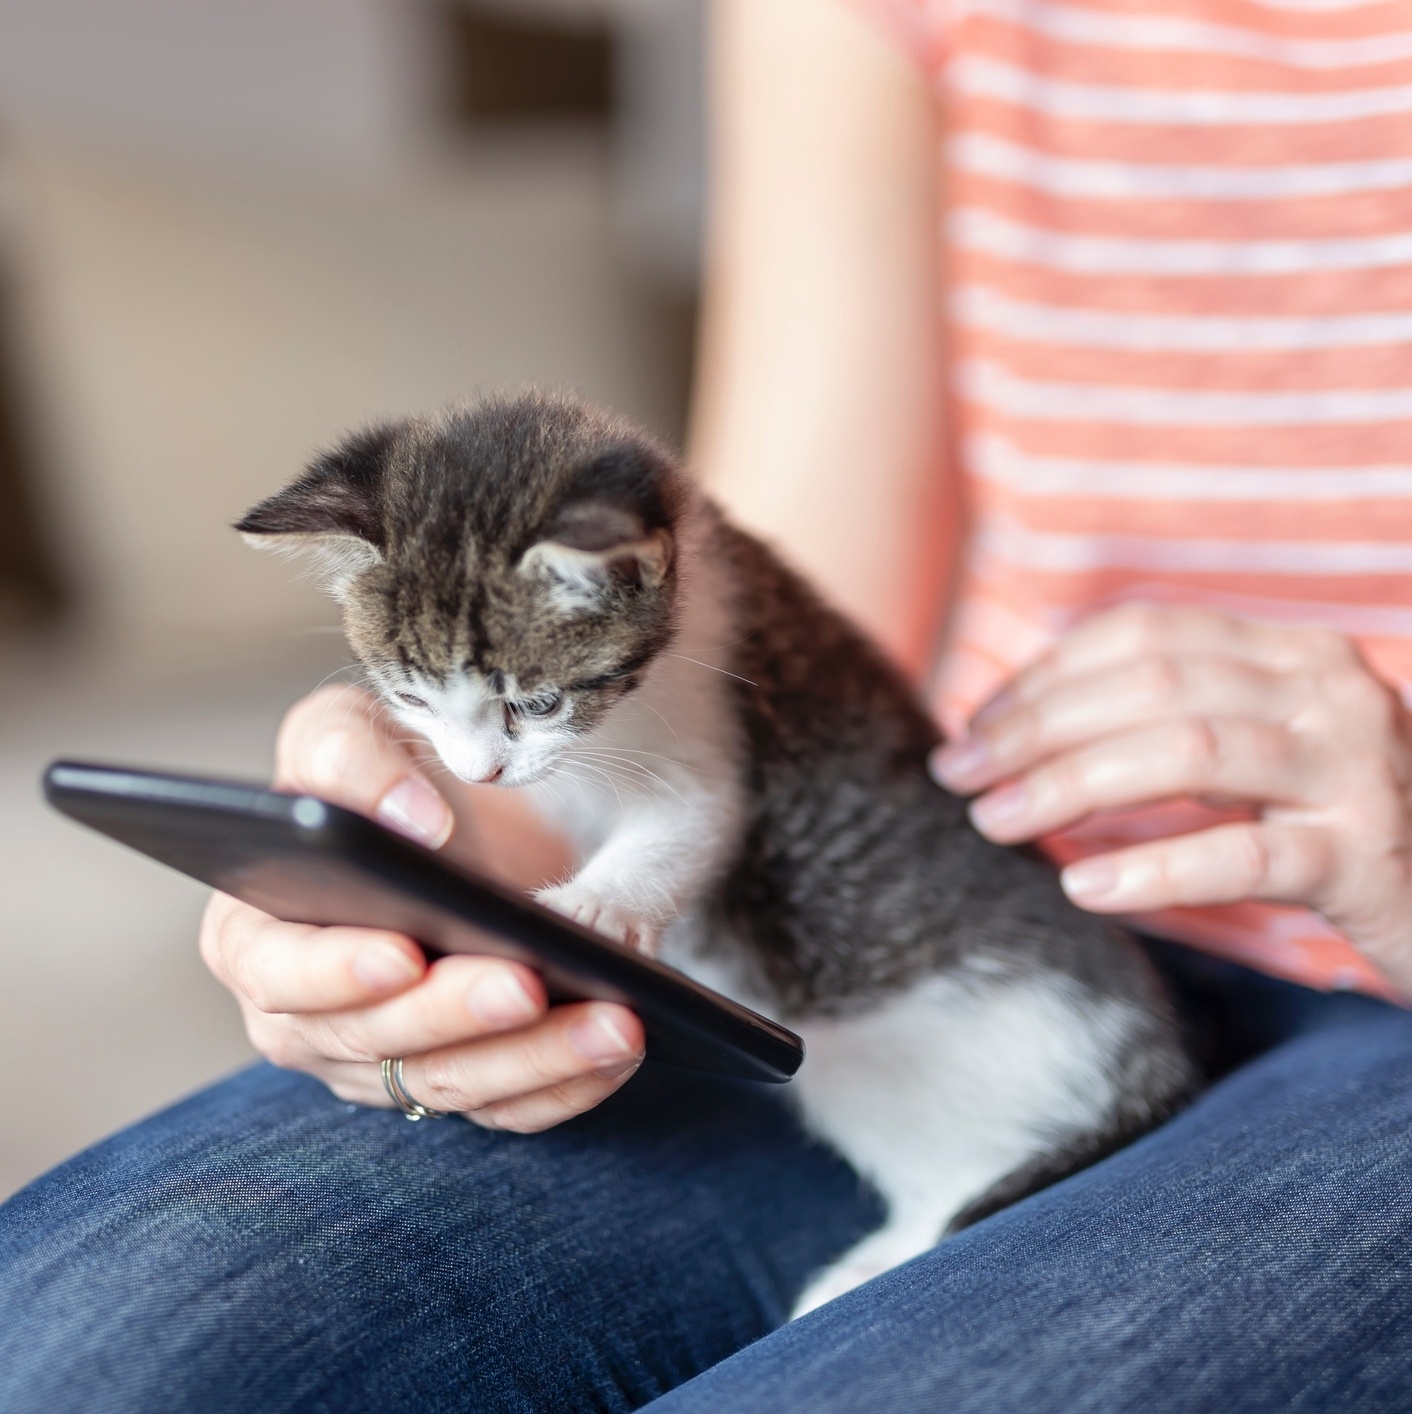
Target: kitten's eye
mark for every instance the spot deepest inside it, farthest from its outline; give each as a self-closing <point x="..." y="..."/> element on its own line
<point x="541" y="706"/>
<point x="411" y="699"/>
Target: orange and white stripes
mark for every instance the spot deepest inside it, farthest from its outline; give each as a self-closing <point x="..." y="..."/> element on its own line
<point x="1179" y="256"/>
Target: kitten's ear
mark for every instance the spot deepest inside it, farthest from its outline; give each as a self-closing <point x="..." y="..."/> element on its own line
<point x="590" y="548"/>
<point x="612" y="531"/>
<point x="333" y="513"/>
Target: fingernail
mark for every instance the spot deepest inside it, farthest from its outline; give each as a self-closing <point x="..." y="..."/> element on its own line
<point x="414" y="809"/>
<point x="598" y="1037"/>
<point x="383" y="969"/>
<point x="1091" y="880"/>
<point x="957" y="765"/>
<point x="500" y="999"/>
<point x="997" y="706"/>
<point x="1001" y="809"/>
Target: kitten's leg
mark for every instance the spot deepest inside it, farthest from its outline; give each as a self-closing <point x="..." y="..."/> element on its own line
<point x="670" y="757"/>
<point x="902" y="1237"/>
<point x="942" y="1091"/>
<point x="661" y="855"/>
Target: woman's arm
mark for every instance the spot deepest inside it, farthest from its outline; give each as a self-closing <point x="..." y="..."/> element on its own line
<point x="818" y="410"/>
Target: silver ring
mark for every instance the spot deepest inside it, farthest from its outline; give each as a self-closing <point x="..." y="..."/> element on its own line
<point x="397" y="1092"/>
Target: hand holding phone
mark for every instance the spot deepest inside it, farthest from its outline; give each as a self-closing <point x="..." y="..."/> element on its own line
<point x="330" y="1001"/>
<point x="339" y="1010"/>
<point x="478" y="1033"/>
<point x="313" y="862"/>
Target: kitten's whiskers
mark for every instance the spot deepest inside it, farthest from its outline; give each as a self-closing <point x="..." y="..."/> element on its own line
<point x="630" y="751"/>
<point x="585" y="780"/>
<point x="638" y="702"/>
<point x="713" y="668"/>
<point x="613" y="763"/>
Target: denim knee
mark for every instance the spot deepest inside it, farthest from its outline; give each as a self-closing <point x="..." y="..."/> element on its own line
<point x="266" y="1247"/>
<point x="1250" y="1255"/>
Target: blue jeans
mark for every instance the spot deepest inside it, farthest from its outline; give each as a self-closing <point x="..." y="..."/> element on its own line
<point x="263" y="1247"/>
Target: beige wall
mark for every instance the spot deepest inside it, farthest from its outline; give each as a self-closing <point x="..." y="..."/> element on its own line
<point x="185" y="339"/>
<point x="191" y="337"/>
<point x="234" y="229"/>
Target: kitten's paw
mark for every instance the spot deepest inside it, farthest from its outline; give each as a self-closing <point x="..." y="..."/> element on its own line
<point x="896" y="1242"/>
<point x="603" y="915"/>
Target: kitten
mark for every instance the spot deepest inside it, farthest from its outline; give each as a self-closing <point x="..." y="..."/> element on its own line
<point x="541" y="592"/>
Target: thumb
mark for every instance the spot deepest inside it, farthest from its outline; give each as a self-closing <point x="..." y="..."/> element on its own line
<point x="335" y="744"/>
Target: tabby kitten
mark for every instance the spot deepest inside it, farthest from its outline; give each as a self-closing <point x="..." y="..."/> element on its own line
<point x="542" y="593"/>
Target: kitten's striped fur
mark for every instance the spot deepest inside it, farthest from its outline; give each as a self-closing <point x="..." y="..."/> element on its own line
<point x="541" y="591"/>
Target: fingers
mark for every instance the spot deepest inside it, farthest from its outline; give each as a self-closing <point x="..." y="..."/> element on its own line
<point x="1145" y="704"/>
<point x="460" y="999"/>
<point x="576" y="1052"/>
<point x="287" y="967"/>
<point x="1139" y="631"/>
<point x="532" y="1114"/>
<point x="336" y="744"/>
<point x="1189" y="756"/>
<point x="1109" y="701"/>
<point x="1278" y="863"/>
<point x="527" y="1113"/>
<point x="313" y="995"/>
<point x="476" y="1032"/>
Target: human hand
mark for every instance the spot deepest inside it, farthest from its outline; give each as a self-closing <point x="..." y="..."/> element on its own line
<point x="1144" y="703"/>
<point x="477" y="1033"/>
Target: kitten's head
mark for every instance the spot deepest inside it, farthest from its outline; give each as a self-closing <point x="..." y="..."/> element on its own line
<point x="507" y="571"/>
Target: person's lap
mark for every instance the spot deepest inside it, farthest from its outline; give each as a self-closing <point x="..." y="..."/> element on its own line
<point x="1253" y="1254"/>
<point x="265" y="1247"/>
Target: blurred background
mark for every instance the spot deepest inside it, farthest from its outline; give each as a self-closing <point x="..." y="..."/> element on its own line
<point x="230" y="229"/>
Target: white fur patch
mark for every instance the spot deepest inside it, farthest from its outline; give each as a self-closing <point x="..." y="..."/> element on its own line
<point x="653" y="796"/>
<point x="942" y="1091"/>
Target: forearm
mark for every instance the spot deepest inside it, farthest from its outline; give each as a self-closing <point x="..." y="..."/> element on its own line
<point x="817" y="418"/>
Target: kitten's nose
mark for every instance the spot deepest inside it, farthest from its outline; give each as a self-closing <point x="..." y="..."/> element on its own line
<point x="492" y="777"/>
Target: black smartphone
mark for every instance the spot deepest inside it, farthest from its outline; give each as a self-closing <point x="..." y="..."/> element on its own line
<point x="306" y="861"/>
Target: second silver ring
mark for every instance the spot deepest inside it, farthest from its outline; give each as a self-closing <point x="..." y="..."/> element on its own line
<point x="398" y="1093"/>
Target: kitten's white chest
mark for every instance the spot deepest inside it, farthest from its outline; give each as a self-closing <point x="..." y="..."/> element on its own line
<point x="659" y="782"/>
<point x="575" y="803"/>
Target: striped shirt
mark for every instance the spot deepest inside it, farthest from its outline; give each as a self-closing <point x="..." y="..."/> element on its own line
<point x="1179" y="253"/>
